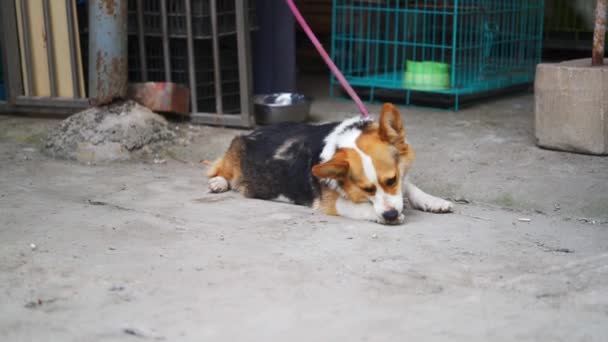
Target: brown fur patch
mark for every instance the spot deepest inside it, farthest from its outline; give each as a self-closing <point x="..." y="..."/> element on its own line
<point x="408" y="156"/>
<point x="346" y="167"/>
<point x="385" y="158"/>
<point x="229" y="165"/>
<point x="356" y="181"/>
<point x="391" y="127"/>
<point x="336" y="168"/>
<point x="327" y="203"/>
<point x="385" y="144"/>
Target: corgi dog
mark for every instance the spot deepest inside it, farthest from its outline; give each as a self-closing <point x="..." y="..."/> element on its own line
<point x="356" y="168"/>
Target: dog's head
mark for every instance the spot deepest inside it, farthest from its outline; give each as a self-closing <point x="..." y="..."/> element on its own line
<point x="365" y="161"/>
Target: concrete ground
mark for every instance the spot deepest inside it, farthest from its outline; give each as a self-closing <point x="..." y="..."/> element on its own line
<point x="140" y="249"/>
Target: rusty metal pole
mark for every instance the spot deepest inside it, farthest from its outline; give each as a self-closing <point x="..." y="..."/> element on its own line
<point x="107" y="50"/>
<point x="599" y="35"/>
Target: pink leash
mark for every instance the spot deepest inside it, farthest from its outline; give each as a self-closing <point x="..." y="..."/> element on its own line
<point x="328" y="61"/>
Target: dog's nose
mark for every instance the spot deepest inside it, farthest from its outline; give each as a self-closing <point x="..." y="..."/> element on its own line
<point x="390" y="215"/>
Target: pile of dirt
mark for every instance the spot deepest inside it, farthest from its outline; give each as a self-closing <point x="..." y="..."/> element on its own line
<point x="111" y="133"/>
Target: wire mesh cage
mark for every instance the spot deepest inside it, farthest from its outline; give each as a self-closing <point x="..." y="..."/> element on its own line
<point x="159" y="51"/>
<point x="452" y="47"/>
<point x="204" y="66"/>
<point x="176" y="18"/>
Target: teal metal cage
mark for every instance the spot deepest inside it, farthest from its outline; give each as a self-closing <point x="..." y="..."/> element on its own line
<point x="450" y="47"/>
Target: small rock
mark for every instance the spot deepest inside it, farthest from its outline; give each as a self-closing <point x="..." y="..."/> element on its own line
<point x="554" y="249"/>
<point x="523" y="219"/>
<point x="34" y="304"/>
<point x="134" y="332"/>
<point x="33" y="246"/>
<point x="160" y="161"/>
<point x="39" y="302"/>
<point x="107" y="134"/>
<point x="374" y="236"/>
<point x="586" y="220"/>
<point x="564" y="250"/>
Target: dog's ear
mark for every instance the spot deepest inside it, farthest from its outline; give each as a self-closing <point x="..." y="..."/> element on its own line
<point x="403" y="148"/>
<point x="391" y="126"/>
<point x="336" y="168"/>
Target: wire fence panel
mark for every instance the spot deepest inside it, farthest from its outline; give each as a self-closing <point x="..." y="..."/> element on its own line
<point x="159" y="45"/>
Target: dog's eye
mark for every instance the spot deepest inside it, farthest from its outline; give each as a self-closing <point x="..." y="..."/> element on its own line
<point x="391" y="181"/>
<point x="370" y="189"/>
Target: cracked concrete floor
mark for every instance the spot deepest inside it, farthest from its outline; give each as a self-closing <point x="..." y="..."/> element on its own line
<point x="140" y="250"/>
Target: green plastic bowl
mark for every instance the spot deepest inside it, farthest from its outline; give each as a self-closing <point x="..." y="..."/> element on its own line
<point x="426" y="76"/>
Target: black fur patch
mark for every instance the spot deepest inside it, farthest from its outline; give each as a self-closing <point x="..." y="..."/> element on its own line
<point x="277" y="160"/>
<point x="361" y="125"/>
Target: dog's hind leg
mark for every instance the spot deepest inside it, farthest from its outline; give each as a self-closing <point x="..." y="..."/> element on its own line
<point x="225" y="173"/>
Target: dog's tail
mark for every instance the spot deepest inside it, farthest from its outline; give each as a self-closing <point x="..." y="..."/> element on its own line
<point x="213" y="168"/>
<point x="229" y="165"/>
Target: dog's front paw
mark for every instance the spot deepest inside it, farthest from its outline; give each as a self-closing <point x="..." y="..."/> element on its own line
<point x="432" y="204"/>
<point x="218" y="184"/>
